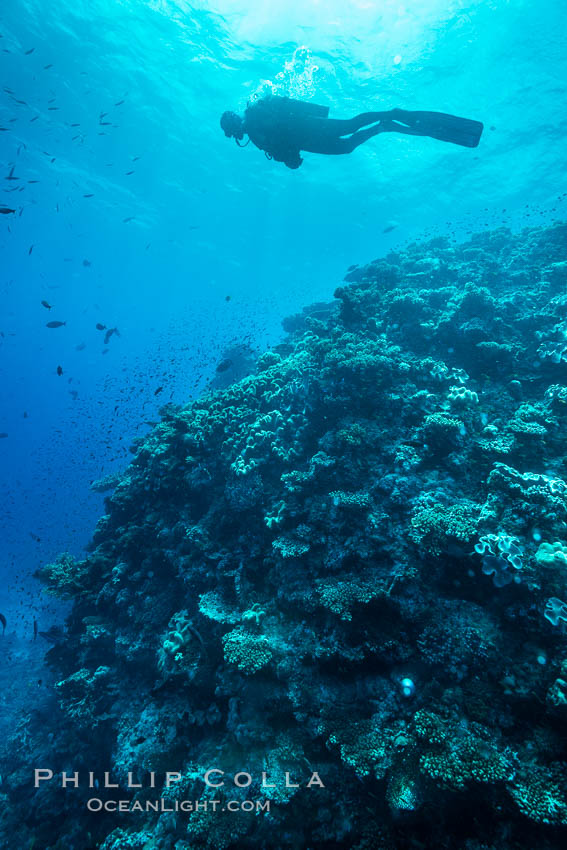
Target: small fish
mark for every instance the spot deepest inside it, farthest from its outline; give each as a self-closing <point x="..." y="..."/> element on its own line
<point x="30" y="250"/>
<point x="224" y="365"/>
<point x="81" y="346"/>
<point x="53" y="634"/>
<point x="47" y="67"/>
<point x="124" y="220"/>
<point x="100" y="327"/>
<point x="6" y="211"/>
<point x="46" y="305"/>
<point x="120" y="102"/>
<point x="55" y="324"/>
<point x="227" y="298"/>
<point x="3" y="621"/>
<point x="59" y="370"/>
<point x="35" y="636"/>
<point x="29" y="52"/>
<point x="158" y="391"/>
<point x="3" y="435"/>
<point x="109" y="333"/>
<point x="89" y="195"/>
<point x="87" y="263"/>
<point x="25" y="414"/>
<point x="390" y="225"/>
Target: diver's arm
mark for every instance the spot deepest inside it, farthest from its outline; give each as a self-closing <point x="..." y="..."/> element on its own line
<point x="265" y="124"/>
<point x="289" y="157"/>
<point x="294" y="163"/>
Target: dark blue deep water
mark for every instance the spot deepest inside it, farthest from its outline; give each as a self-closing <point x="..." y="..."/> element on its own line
<point x="337" y="529"/>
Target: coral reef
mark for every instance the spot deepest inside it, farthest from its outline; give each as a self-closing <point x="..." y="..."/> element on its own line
<point x="352" y="563"/>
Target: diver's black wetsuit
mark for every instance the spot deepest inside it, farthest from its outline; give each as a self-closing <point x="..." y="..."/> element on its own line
<point x="283" y="127"/>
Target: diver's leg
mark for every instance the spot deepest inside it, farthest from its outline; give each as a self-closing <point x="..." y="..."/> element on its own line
<point x="335" y="136"/>
<point x="347" y="126"/>
<point x="362" y="136"/>
<point x="403" y="121"/>
<point x="399" y="120"/>
<point x="436" y="125"/>
<point x="332" y="145"/>
<point x="394" y="119"/>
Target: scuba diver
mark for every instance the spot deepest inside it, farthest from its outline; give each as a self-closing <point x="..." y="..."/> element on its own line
<point x="283" y="127"/>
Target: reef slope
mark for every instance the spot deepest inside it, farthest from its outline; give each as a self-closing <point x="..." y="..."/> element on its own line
<point x="353" y="562"/>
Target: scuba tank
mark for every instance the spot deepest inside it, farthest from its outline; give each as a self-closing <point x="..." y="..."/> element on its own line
<point x="284" y="107"/>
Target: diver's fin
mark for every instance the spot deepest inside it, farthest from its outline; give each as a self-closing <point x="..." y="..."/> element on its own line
<point x="447" y="128"/>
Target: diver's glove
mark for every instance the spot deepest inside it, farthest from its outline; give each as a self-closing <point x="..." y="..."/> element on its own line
<point x="289" y="156"/>
<point x="293" y="161"/>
